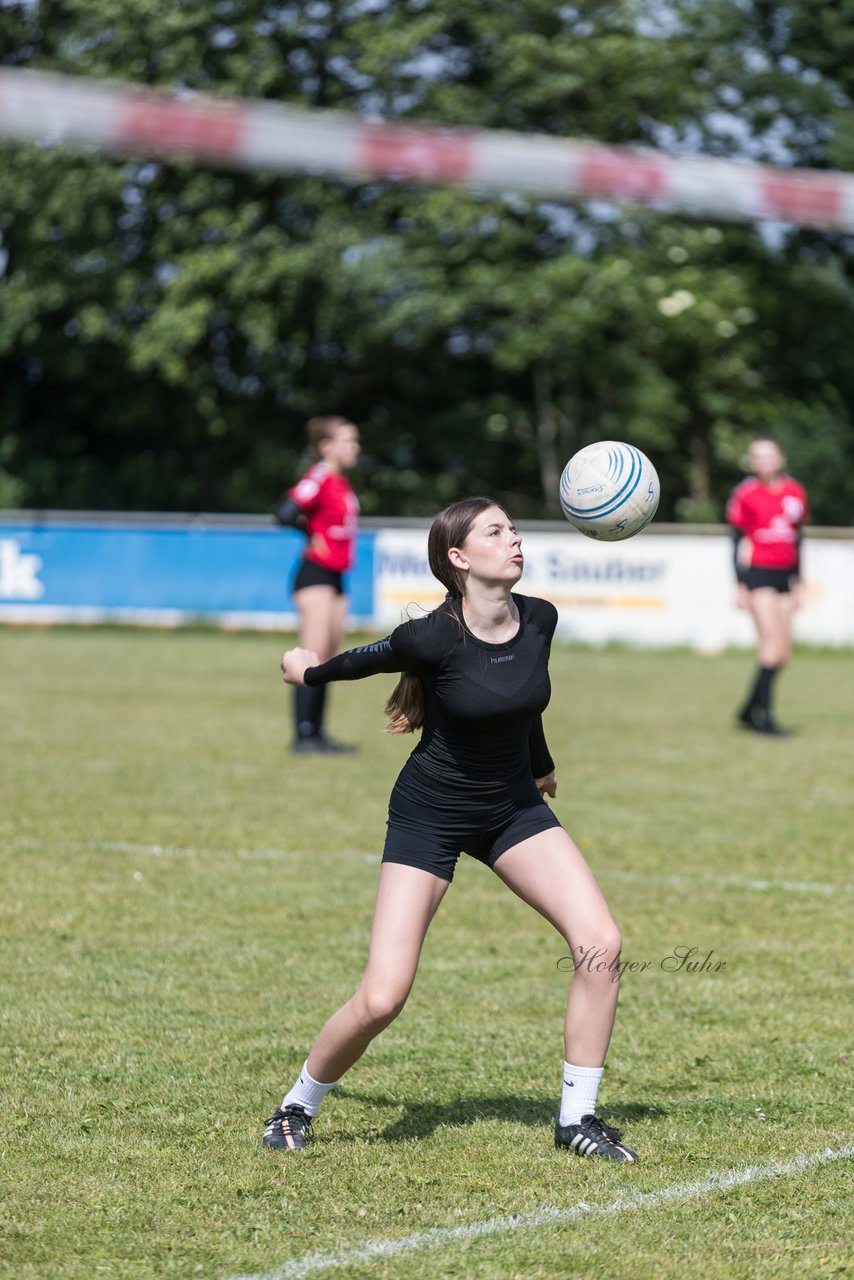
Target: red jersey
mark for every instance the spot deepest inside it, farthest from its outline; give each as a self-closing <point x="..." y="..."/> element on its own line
<point x="769" y="516"/>
<point x="332" y="511"/>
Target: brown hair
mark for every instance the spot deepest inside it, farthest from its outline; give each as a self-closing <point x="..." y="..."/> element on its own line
<point x="319" y="429"/>
<point x="451" y="527"/>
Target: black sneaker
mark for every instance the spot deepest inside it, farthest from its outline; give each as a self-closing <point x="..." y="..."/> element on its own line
<point x="593" y="1137"/>
<point x="319" y="744"/>
<point x="760" y="722"/>
<point x="287" y="1129"/>
<point x="770" y="726"/>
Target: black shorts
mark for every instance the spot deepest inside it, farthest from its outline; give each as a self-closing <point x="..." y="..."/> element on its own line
<point x="779" y="579"/>
<point x="310" y="574"/>
<point x="431" y="822"/>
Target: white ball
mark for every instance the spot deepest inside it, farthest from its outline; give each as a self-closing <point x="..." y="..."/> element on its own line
<point x="609" y="490"/>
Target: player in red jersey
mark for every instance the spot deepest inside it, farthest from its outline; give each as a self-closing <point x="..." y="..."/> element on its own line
<point x="767" y="511"/>
<point x="325" y="507"/>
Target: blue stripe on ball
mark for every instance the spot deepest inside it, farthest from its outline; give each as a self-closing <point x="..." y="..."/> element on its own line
<point x="619" y="499"/>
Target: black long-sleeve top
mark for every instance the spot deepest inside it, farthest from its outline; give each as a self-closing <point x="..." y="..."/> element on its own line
<point x="483" y="702"/>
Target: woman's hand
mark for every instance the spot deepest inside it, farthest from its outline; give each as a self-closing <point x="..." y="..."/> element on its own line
<point x="295" y="663"/>
<point x="318" y="543"/>
<point x="742" y="596"/>
<point x="547" y="786"/>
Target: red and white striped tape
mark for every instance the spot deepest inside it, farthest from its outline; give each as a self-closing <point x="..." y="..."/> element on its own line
<point x="122" y="118"/>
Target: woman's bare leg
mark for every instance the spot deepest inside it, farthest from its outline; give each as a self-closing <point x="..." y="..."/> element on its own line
<point x="338" y="624"/>
<point x="407" y="900"/>
<point x="318" y="619"/>
<point x="772" y="614"/>
<point x="550" y="873"/>
<point x="318" y="612"/>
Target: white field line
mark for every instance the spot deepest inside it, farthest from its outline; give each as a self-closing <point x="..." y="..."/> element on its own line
<point x="157" y="850"/>
<point x="442" y="1237"/>
<point x="602" y="873"/>
<point x="727" y="882"/>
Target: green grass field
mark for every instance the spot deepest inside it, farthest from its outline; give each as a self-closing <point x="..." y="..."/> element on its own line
<point x="184" y="902"/>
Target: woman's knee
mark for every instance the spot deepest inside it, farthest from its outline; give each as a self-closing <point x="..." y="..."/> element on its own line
<point x="377" y="1006"/>
<point x="612" y="941"/>
<point x="598" y="952"/>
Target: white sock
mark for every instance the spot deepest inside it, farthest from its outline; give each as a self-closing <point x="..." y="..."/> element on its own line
<point x="307" y="1092"/>
<point x="580" y="1088"/>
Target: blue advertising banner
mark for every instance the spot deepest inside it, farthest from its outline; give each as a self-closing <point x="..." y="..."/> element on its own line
<point x="670" y="585"/>
<point x="160" y="573"/>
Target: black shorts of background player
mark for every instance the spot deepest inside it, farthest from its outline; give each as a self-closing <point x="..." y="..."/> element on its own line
<point x="323" y="505"/>
<point x="475" y="680"/>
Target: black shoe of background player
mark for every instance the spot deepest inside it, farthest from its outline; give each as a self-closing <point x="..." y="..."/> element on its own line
<point x="767" y="724"/>
<point x="319" y="744"/>
<point x="593" y="1137"/>
<point x="759" y="721"/>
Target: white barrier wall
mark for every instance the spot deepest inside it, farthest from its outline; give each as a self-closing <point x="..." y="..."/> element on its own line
<point x="656" y="589"/>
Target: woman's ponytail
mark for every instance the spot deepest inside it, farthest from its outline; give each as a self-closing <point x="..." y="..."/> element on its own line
<point x="405" y="707"/>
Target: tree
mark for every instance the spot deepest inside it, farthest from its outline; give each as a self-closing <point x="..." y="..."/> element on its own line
<point x="164" y="330"/>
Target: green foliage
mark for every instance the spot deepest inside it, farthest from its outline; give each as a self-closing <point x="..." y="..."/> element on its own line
<point x="165" y="330"/>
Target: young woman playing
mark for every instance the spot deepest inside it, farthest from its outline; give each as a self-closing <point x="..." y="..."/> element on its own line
<point x="475" y="682"/>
